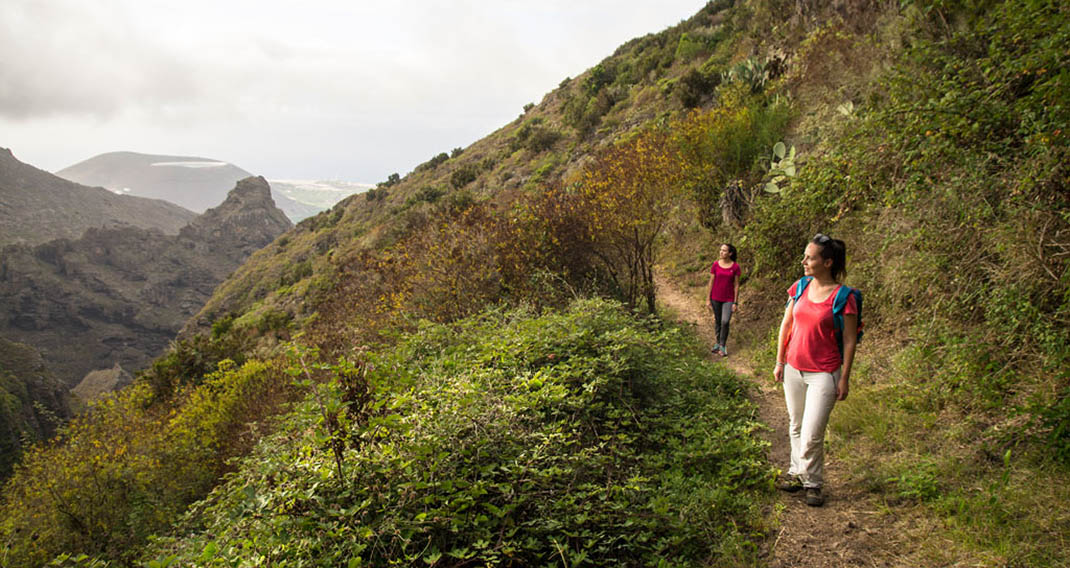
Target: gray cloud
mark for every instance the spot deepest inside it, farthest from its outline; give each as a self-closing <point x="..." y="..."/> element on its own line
<point x="65" y="56"/>
<point x="324" y="88"/>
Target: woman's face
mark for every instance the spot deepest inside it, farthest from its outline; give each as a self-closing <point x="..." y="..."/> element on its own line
<point x="726" y="254"/>
<point x="813" y="263"/>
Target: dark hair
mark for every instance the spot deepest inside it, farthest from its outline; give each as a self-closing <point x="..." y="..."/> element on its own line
<point x="834" y="249"/>
<point x="731" y="251"/>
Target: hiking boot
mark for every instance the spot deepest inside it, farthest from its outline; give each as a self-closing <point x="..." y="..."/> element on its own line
<point x="814" y="498"/>
<point x="724" y="351"/>
<point x="790" y="484"/>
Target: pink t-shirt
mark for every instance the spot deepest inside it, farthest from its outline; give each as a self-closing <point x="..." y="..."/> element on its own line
<point x="724" y="282"/>
<point x="812" y="344"/>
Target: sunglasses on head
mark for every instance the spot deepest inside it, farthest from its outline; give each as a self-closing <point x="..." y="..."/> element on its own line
<point x="822" y="239"/>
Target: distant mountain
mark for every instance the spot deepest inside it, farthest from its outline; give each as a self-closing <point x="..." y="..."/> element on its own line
<point x="36" y="206"/>
<point x="198" y="183"/>
<point x="118" y="296"/>
<point x="194" y="183"/>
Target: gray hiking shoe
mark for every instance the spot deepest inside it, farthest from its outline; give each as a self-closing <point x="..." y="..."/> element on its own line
<point x="814" y="497"/>
<point x="790" y="484"/>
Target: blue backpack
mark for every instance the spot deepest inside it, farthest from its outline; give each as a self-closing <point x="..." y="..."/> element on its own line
<point x="838" y="304"/>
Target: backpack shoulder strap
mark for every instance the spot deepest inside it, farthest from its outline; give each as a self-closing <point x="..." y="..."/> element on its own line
<point x="800" y="286"/>
<point x="838" y="305"/>
<point x="840" y="301"/>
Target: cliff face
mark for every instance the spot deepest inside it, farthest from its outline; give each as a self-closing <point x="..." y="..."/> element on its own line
<point x="242" y="224"/>
<point x="36" y="206"/>
<point x="118" y="296"/>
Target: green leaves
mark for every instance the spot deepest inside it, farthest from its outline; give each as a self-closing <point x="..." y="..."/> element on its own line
<point x="587" y="437"/>
<point x="781" y="167"/>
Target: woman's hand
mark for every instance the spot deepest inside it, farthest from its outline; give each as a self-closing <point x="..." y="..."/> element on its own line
<point x="778" y="372"/>
<point x="841" y="388"/>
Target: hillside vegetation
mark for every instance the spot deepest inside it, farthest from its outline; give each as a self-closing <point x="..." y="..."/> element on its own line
<point x="423" y="374"/>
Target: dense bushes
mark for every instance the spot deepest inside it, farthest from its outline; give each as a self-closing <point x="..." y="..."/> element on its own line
<point x="507" y="440"/>
<point x="535" y="136"/>
<point x="127" y="468"/>
<point x="726" y="145"/>
<point x="953" y="175"/>
<point x="625" y="198"/>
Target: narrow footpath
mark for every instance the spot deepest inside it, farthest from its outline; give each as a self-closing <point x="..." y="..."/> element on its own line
<point x="849" y="530"/>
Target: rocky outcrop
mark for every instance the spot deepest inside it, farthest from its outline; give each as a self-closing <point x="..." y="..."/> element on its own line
<point x="243" y="224"/>
<point x="118" y="296"/>
<point x="97" y="383"/>
<point x="36" y="207"/>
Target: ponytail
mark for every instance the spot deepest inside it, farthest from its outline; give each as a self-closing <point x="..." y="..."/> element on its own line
<point x="833" y="249"/>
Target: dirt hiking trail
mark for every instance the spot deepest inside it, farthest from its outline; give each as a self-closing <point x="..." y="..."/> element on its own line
<point x="850" y="529"/>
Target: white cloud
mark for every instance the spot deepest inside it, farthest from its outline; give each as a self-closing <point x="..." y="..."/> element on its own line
<point x="69" y="57"/>
<point x="311" y="89"/>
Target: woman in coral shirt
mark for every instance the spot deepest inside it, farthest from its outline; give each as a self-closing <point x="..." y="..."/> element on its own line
<point x="724" y="291"/>
<point x="810" y="364"/>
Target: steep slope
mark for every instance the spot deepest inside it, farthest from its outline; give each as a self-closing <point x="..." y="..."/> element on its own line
<point x="36" y="206"/>
<point x="118" y="296"/>
<point x="929" y="137"/>
<point x="657" y="76"/>
<point x="32" y="402"/>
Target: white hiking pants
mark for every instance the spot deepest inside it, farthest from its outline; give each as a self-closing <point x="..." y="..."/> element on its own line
<point x="810" y="398"/>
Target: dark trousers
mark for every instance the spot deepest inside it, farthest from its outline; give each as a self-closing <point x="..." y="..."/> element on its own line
<point x="722" y="316"/>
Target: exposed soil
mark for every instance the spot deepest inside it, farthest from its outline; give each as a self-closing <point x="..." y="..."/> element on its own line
<point x="850" y="529"/>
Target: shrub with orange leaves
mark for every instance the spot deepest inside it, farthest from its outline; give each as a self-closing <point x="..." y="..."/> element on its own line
<point x="625" y="197"/>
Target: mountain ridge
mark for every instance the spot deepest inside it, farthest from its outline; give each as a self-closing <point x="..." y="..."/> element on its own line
<point x="36" y="206"/>
<point x="192" y="182"/>
<point x="118" y="296"/>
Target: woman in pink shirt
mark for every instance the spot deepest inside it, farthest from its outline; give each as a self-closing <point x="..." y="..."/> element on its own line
<point x="724" y="291"/>
<point x="809" y="362"/>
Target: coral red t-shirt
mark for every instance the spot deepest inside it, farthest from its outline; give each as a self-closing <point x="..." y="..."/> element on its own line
<point x="812" y="344"/>
<point x="724" y="282"/>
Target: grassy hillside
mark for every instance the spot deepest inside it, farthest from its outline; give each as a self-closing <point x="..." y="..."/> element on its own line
<point x="929" y="136"/>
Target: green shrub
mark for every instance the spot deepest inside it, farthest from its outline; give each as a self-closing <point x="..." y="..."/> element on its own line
<point x="391" y="180"/>
<point x="535" y="136"/>
<point x="429" y="193"/>
<point x="727" y="145"/>
<point x="376" y="194"/>
<point x="694" y="87"/>
<point x="578" y="437"/>
<point x="128" y="467"/>
<point x="433" y="162"/>
<point x="464" y="175"/>
<point x="584" y="112"/>
<point x="600" y="75"/>
<point x="691" y="46"/>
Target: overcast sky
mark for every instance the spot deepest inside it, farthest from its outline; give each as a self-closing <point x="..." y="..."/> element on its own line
<point x="305" y="89"/>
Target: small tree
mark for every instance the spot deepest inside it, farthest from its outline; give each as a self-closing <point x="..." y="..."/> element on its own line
<point x="626" y="196"/>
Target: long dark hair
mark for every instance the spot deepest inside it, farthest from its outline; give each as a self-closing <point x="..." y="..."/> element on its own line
<point x="834" y="249"/>
<point x="731" y="251"/>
